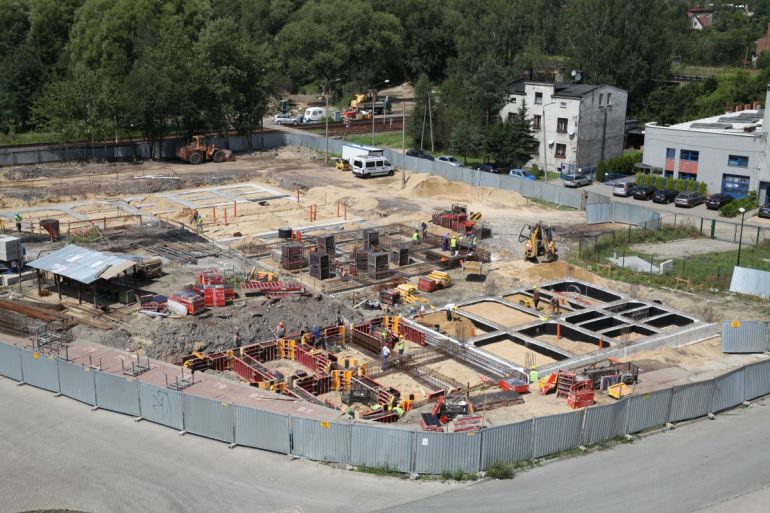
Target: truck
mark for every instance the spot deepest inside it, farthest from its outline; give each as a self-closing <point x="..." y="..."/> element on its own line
<point x="363" y="102"/>
<point x="350" y="151"/>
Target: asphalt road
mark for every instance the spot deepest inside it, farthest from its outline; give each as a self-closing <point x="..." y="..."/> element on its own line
<point x="706" y="466"/>
<point x="56" y="453"/>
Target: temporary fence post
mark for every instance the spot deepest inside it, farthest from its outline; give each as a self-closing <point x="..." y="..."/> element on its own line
<point x="629" y="233"/>
<point x="580" y="248"/>
<point x="757" y="241"/>
<point x="613" y="238"/>
<point x="674" y="220"/>
<point x="596" y="244"/>
<point x="225" y="217"/>
<point x="713" y="227"/>
<point x="214" y="214"/>
<point x="235" y="208"/>
<point x="413" y="453"/>
<point x="291" y="435"/>
<point x="624" y="259"/>
<point x="701" y="226"/>
<point x="481" y="449"/>
<point x="735" y="232"/>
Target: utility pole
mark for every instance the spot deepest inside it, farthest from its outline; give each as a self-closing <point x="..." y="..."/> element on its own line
<point x="545" y="147"/>
<point x="326" y="127"/>
<point x="430" y="118"/>
<point x="403" y="143"/>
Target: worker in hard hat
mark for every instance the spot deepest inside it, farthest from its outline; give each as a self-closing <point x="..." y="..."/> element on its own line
<point x="18" y="219"/>
<point x="416" y="236"/>
<point x="280" y="330"/>
<point x="401" y="347"/>
<point x="534" y="376"/>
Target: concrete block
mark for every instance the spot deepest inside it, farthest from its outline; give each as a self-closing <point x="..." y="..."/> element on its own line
<point x="666" y="267"/>
<point x="12" y="279"/>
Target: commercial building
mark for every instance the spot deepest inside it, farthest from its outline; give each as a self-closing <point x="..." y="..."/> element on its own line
<point x="728" y="152"/>
<point x="577" y="125"/>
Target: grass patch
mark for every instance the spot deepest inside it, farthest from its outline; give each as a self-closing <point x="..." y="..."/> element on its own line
<point x="28" y="138"/>
<point x="382" y="471"/>
<point x="500" y="470"/>
<point x="387" y="139"/>
<point x="459" y="476"/>
<point x="542" y="203"/>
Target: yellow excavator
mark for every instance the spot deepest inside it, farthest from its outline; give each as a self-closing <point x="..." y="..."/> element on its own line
<point x="538" y="242"/>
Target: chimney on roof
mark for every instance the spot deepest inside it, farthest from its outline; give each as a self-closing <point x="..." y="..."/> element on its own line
<point x="528" y="72"/>
<point x="747" y="106"/>
<point x="738" y="108"/>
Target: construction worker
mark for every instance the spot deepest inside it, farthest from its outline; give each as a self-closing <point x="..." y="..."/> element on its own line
<point x="315" y="331"/>
<point x="18" y="221"/>
<point x="534" y="376"/>
<point x="424" y="228"/>
<point x="448" y="309"/>
<point x="195" y="216"/>
<point x="401" y="346"/>
<point x="555" y="306"/>
<point x="536" y="297"/>
<point x="384" y="354"/>
<point x="237" y="338"/>
<point x="453" y="245"/>
<point x="200" y="224"/>
<point x="384" y="336"/>
<point x="445" y="242"/>
<point x="280" y="330"/>
<point x="399" y="411"/>
<point x="416" y="237"/>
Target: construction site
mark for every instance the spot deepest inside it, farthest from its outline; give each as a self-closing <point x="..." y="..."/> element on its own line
<point x="276" y="281"/>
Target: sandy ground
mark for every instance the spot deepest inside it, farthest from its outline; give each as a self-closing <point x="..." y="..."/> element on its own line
<point x="568" y="345"/>
<point x="460" y="328"/>
<point x="516" y="353"/>
<point x="685" y="247"/>
<point x="499" y="314"/>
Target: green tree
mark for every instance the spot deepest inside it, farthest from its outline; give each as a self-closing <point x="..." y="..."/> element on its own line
<point x="659" y="182"/>
<point x="669" y="183"/>
<point x="511" y="143"/>
<point x="679" y="185"/>
<point x="466" y="140"/>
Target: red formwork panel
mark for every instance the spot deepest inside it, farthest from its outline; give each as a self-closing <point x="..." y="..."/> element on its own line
<point x="412" y="334"/>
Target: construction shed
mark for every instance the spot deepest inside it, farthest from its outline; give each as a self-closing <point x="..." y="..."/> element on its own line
<point x="74" y="267"/>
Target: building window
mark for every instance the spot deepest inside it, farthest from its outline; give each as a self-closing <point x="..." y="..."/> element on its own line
<point x="687" y="176"/>
<point x="689" y="155"/>
<point x="601" y="99"/>
<point x="735" y="185"/>
<point x="538" y="98"/>
<point x="511" y="116"/>
<point x="561" y="151"/>
<point x="737" y="161"/>
<point x="561" y="125"/>
<point x="609" y="98"/>
<point x="536" y="122"/>
<point x="670" y="152"/>
<point x="563" y="105"/>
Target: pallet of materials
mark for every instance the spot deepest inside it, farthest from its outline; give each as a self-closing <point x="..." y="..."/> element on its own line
<point x="492" y="400"/>
<point x="192" y="302"/>
<point x="430" y="422"/>
<point x="515" y="384"/>
<point x="463" y="423"/>
<point x="210" y="277"/>
<point x="441" y="278"/>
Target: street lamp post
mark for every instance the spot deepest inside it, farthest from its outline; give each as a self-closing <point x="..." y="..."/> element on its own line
<point x="545" y="141"/>
<point x="326" y="117"/>
<point x="740" y="239"/>
<point x="374" y="99"/>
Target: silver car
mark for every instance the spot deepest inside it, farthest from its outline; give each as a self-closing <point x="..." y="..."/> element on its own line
<point x="449" y="159"/>
<point x="285" y="119"/>
<point x="576" y="180"/>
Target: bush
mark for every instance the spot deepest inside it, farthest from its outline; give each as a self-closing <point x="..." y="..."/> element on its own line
<point x="535" y="171"/>
<point x="669" y="182"/>
<point x="659" y="182"/>
<point x="731" y="209"/>
<point x="679" y="185"/>
<point x="499" y="470"/>
<point x="691" y="185"/>
<point x="702" y="188"/>
<point x="601" y="171"/>
<point x="624" y="164"/>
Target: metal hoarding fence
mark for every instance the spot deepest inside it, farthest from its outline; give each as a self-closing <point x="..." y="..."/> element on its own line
<point x="598" y="213"/>
<point x="40" y="370"/>
<point x="649" y="410"/>
<point x="117" y="393"/>
<point x="728" y="391"/>
<point x="507" y="444"/>
<point x="320" y="440"/>
<point x="261" y="429"/>
<point x="77" y="382"/>
<point x="605" y="422"/>
<point x="161" y="405"/>
<point x="745" y="336"/>
<point x="756" y="382"/>
<point x="382" y="447"/>
<point x="750" y="281"/>
<point x="10" y="361"/>
<point x="557" y="433"/>
<point x="437" y="453"/>
<point x="209" y="418"/>
<point x="691" y="400"/>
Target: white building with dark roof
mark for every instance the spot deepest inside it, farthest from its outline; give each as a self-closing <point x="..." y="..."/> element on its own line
<point x="728" y="152"/>
<point x="576" y="125"/>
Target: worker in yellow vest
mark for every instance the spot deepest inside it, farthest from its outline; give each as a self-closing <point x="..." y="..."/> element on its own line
<point x="534" y="376"/>
<point x="453" y="245"/>
<point x="401" y="346"/>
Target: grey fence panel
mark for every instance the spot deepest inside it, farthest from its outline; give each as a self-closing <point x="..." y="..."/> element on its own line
<point x="261" y="429"/>
<point x="10" y="361"/>
<point x="384" y="447"/>
<point x="117" y="393"/>
<point x="161" y="405"/>
<point x="599" y="213"/>
<point x="728" y="391"/>
<point x="436" y="453"/>
<point x="691" y="401"/>
<point x="557" y="433"/>
<point x="744" y="336"/>
<point x="209" y="418"/>
<point x="40" y="370"/>
<point x="604" y="422"/>
<point x="571" y="198"/>
<point x="593" y="198"/>
<point x="507" y="444"/>
<point x="77" y="382"/>
<point x="320" y="440"/>
<point x="649" y="410"/>
<point x="750" y="281"/>
<point x="756" y="380"/>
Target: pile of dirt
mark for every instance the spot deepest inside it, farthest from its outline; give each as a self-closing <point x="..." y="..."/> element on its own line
<point x="296" y="153"/>
<point x="438" y="187"/>
<point x="170" y="338"/>
<point x="533" y="273"/>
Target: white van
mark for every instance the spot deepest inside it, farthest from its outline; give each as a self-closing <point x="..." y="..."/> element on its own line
<point x="364" y="166"/>
<point x="314" y="114"/>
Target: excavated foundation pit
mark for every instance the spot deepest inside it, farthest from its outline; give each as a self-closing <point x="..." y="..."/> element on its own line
<point x="460" y="327"/>
<point x="581" y="293"/>
<point x="630" y="333"/>
<point x="499" y="313"/>
<point x="669" y="321"/>
<point x="514" y="349"/>
<point x="566" y="338"/>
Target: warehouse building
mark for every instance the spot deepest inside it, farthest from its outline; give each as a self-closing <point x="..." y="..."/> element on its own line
<point x="728" y="152"/>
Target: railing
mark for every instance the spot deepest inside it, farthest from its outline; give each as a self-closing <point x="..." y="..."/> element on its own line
<point x="373" y="445"/>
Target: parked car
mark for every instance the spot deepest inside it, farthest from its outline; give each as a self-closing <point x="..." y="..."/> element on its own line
<point x="665" y="196"/>
<point x="520" y="173"/>
<point x="688" y="199"/>
<point x="644" y="192"/>
<point x="576" y="180"/>
<point x="420" y="154"/>
<point x="284" y="118"/>
<point x="624" y="189"/>
<point x="715" y="201"/>
<point x="764" y="210"/>
<point x="487" y="168"/>
<point x="449" y="159"/>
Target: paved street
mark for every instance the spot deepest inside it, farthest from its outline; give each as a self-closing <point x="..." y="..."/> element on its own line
<point x="708" y="466"/>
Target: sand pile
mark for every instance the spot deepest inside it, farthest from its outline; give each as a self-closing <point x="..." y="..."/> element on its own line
<point x="438" y="187"/>
<point x="533" y="273"/>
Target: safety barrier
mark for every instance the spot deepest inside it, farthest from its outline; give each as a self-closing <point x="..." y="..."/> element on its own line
<point x="373" y="445"/>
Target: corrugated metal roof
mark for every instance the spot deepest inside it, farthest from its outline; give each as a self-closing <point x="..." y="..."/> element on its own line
<point x="81" y="264"/>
